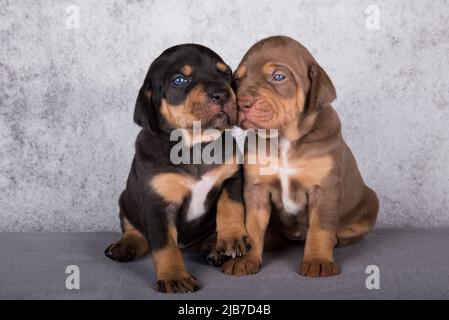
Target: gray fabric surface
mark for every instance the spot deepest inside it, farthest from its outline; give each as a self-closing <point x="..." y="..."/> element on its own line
<point x="413" y="263"/>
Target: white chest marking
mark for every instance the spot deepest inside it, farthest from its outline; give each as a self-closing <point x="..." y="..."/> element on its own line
<point x="199" y="192"/>
<point x="284" y="171"/>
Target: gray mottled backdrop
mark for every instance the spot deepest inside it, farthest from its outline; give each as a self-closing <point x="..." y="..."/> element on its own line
<point x="67" y="95"/>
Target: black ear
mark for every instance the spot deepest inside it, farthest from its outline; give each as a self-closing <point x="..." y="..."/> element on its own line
<point x="145" y="114"/>
<point x="321" y="91"/>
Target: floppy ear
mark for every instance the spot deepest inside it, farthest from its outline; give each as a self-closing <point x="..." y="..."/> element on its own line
<point x="145" y="114"/>
<point x="321" y="92"/>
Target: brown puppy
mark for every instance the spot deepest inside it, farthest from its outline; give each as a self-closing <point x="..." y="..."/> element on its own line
<point x="316" y="193"/>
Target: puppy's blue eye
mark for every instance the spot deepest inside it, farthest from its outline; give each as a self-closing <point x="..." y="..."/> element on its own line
<point x="278" y="77"/>
<point x="179" y="81"/>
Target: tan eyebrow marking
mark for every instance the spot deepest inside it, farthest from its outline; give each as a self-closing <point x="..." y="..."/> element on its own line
<point x="222" y="67"/>
<point x="187" y="70"/>
<point x="269" y="68"/>
<point x="240" y="72"/>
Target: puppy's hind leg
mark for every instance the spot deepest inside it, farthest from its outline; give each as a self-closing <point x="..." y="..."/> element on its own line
<point x="366" y="213"/>
<point x="131" y="246"/>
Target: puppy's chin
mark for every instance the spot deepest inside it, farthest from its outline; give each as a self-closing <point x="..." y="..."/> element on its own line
<point x="245" y="123"/>
<point x="220" y="121"/>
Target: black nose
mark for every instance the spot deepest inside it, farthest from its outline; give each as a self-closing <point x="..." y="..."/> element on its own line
<point x="219" y="97"/>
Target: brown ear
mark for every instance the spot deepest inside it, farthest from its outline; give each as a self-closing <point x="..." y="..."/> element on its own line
<point x="145" y="114"/>
<point x="321" y="92"/>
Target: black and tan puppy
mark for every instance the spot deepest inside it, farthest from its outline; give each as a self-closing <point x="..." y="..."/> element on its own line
<point x="316" y="192"/>
<point x="165" y="205"/>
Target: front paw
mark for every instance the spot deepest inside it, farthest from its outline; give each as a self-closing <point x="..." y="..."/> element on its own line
<point x="121" y="251"/>
<point x="319" y="268"/>
<point x="184" y="284"/>
<point x="242" y="266"/>
<point x="212" y="256"/>
<point x="233" y="245"/>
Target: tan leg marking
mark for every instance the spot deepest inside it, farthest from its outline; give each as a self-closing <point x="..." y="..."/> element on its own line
<point x="318" y="258"/>
<point x="256" y="224"/>
<point x="231" y="232"/>
<point x="132" y="245"/>
<point x="171" y="272"/>
<point x="257" y="218"/>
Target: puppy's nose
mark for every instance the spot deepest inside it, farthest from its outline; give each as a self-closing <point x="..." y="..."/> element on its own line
<point x="219" y="97"/>
<point x="245" y="101"/>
